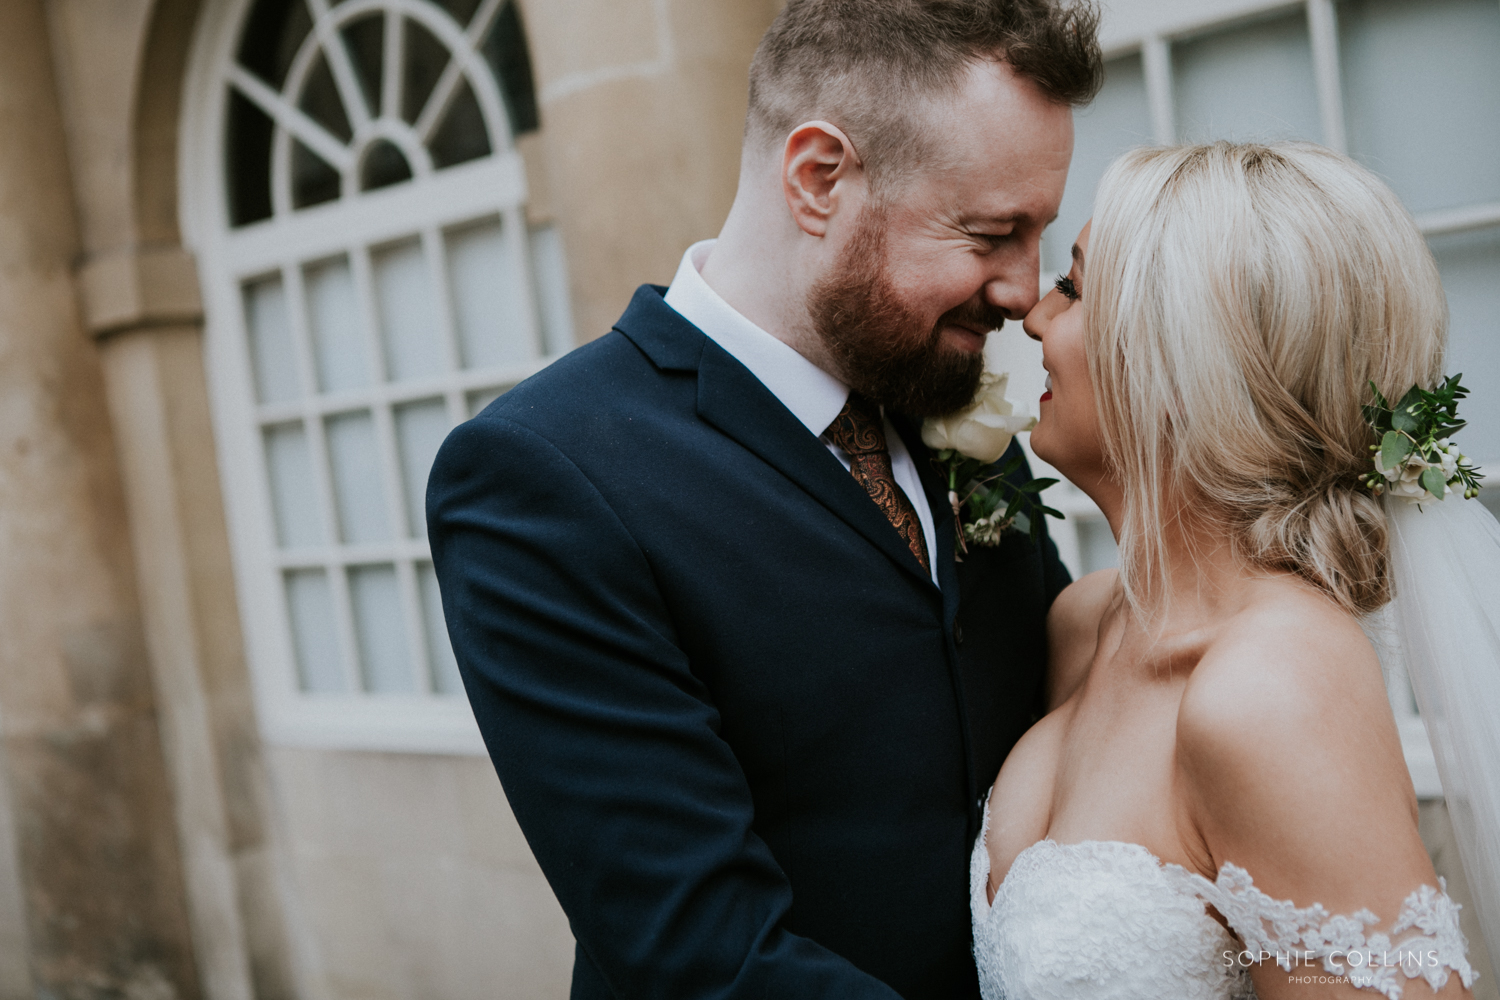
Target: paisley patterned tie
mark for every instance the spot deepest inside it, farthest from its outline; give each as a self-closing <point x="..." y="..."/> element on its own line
<point x="859" y="430"/>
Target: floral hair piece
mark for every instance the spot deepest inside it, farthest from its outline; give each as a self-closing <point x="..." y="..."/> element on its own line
<point x="1416" y="458"/>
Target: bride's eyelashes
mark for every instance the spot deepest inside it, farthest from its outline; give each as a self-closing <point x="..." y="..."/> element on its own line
<point x="1066" y="285"/>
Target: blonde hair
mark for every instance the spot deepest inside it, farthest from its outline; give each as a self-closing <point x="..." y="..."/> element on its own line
<point x="1239" y="300"/>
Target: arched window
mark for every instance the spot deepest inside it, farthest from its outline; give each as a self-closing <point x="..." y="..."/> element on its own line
<point x="354" y="194"/>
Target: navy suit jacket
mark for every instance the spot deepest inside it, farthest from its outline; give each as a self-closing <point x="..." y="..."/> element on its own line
<point x="743" y="732"/>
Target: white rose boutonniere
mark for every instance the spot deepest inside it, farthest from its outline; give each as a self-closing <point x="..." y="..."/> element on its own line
<point x="968" y="444"/>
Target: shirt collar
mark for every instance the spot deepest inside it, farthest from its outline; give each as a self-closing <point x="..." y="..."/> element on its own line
<point x="814" y="396"/>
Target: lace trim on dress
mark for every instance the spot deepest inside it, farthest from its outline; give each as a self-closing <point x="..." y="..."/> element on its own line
<point x="1274" y="928"/>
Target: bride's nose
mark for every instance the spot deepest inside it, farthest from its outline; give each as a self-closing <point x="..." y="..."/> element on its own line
<point x="1037" y="320"/>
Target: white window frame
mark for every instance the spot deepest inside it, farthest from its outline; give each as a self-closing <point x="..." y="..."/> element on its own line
<point x="1150" y="29"/>
<point x="285" y="244"/>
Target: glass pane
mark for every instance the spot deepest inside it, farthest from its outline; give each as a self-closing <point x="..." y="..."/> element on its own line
<point x="271" y="355"/>
<point x="1470" y="266"/>
<point x="409" y="327"/>
<point x="380" y="630"/>
<point x="1096" y="545"/>
<point x="426" y="58"/>
<point x="333" y="316"/>
<point x="445" y="677"/>
<point x="506" y="51"/>
<point x="313" y="180"/>
<point x="294" y="495"/>
<point x="274" y="31"/>
<point x="420" y="429"/>
<point x="480" y="398"/>
<point x="460" y="10"/>
<point x="489" y="299"/>
<point x="365" y="42"/>
<point x="462" y="136"/>
<point x="321" y="101"/>
<point x="1422" y="90"/>
<point x="1253" y="82"/>
<point x="1119" y="119"/>
<point x="247" y="161"/>
<point x="357" y="488"/>
<point x="554" y="299"/>
<point x="383" y="166"/>
<point x="310" y="603"/>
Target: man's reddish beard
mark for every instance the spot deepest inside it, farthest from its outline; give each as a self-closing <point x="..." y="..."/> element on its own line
<point x="881" y="345"/>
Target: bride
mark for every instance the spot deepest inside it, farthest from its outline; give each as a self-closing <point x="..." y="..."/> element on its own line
<point x="1217" y="804"/>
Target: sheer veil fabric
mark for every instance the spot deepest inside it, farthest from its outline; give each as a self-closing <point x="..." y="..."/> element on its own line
<point x="1445" y="560"/>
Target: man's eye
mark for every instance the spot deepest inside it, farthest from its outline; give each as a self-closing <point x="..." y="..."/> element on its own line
<point x="992" y="240"/>
<point x="1065" y="285"/>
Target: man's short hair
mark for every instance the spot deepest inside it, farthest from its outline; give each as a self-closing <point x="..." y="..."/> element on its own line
<point x="869" y="66"/>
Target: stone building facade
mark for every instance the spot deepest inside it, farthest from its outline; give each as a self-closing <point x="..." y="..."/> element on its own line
<point x="215" y="781"/>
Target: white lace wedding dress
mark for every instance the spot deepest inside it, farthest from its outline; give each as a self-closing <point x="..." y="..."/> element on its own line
<point x="1106" y="920"/>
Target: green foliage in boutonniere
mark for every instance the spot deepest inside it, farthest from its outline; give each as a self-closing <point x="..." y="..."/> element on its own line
<point x="1416" y="458"/>
<point x="969" y="444"/>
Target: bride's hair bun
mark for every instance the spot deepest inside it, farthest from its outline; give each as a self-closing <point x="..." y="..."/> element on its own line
<point x="1240" y="299"/>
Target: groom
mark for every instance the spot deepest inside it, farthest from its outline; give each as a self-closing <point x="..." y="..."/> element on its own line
<point x="700" y="574"/>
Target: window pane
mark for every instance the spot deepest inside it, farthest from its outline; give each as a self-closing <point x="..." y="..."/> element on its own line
<point x="425" y="59"/>
<point x="313" y="180"/>
<point x="1470" y="266"/>
<point x="1117" y="120"/>
<point x="310" y="604"/>
<point x="1096" y="544"/>
<point x="1422" y="86"/>
<point x="1253" y="82"/>
<point x="550" y="268"/>
<point x="480" y="398"/>
<point x="462" y="136"/>
<point x="271" y="355"/>
<point x="383" y="166"/>
<point x="510" y="59"/>
<point x="247" y="161"/>
<point x="365" y="41"/>
<point x="294" y="497"/>
<point x="356" y="479"/>
<point x="420" y="429"/>
<point x="445" y="677"/>
<point x="321" y="101"/>
<point x="338" y="346"/>
<point x="408" y="313"/>
<point x="489" y="301"/>
<point x="379" y="628"/>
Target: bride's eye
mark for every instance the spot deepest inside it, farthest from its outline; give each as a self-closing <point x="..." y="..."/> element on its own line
<point x="1065" y="285"/>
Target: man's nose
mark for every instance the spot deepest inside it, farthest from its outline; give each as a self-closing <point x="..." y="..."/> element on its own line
<point x="1014" y="290"/>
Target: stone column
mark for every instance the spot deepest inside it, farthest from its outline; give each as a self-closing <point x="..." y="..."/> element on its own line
<point x="643" y="105"/>
<point x="95" y="853"/>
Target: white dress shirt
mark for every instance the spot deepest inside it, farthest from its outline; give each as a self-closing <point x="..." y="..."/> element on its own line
<point x="814" y="396"/>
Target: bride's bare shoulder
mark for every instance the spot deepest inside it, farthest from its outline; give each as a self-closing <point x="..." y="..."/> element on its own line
<point x="1073" y="632"/>
<point x="1290" y="760"/>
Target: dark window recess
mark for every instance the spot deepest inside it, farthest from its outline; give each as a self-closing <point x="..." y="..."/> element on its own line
<point x="247" y="150"/>
<point x="462" y="136"/>
<point x="461" y="11"/>
<point x="510" y="60"/>
<point x="365" y="41"/>
<point x="273" y="32"/>
<point x="313" y="180"/>
<point x="321" y="101"/>
<point x="383" y="166"/>
<point x="426" y="58"/>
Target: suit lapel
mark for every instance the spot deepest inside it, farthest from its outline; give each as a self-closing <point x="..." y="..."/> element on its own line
<point x="942" y="511"/>
<point x="737" y="403"/>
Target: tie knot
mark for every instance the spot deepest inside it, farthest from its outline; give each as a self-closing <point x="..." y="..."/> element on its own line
<point x="858" y="428"/>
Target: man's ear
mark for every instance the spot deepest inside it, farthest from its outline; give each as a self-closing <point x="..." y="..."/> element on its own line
<point x="819" y="169"/>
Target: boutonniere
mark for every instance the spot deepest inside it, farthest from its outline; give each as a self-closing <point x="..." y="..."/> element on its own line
<point x="1416" y="458"/>
<point x="968" y="444"/>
